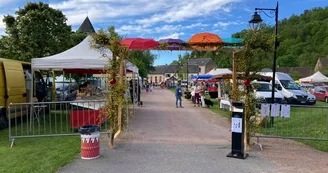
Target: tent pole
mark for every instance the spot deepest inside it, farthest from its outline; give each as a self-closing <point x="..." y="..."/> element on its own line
<point x="63" y="84"/>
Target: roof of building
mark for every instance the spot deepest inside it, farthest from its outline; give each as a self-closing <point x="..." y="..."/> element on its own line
<point x="324" y="62"/>
<point x="200" y="61"/>
<point x="159" y="69"/>
<point x="86" y="26"/>
<point x="173" y="68"/>
<point x="302" y="71"/>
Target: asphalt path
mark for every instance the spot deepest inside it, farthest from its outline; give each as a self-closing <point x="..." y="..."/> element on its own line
<point x="166" y="139"/>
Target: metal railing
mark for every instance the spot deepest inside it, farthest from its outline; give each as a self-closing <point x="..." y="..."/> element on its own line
<point x="47" y="119"/>
<point x="304" y="123"/>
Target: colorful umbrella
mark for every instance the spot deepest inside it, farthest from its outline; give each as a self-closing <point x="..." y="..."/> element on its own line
<point x="139" y="43"/>
<point x="172" y="44"/>
<point x="172" y="41"/>
<point x="205" y="41"/>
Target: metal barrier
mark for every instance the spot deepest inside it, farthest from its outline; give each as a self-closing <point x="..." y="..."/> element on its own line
<point x="304" y="123"/>
<point x="46" y="119"/>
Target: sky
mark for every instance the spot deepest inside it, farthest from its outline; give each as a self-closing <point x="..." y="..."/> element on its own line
<point x="159" y="19"/>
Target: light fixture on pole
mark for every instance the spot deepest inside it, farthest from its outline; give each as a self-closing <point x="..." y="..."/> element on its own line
<point x="255" y="22"/>
<point x="255" y="25"/>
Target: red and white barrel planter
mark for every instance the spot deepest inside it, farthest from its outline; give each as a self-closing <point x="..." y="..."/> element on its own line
<point x="90" y="145"/>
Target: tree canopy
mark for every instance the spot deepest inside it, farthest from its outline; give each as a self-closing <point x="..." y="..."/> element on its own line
<point x="144" y="60"/>
<point x="37" y="30"/>
<point x="303" y="38"/>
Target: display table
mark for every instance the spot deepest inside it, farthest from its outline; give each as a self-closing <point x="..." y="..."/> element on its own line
<point x="225" y="104"/>
<point x="92" y="113"/>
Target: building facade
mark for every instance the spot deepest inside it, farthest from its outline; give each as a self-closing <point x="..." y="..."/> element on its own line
<point x="195" y="67"/>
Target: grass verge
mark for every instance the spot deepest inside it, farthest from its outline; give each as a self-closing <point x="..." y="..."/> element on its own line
<point x="43" y="154"/>
<point x="303" y="122"/>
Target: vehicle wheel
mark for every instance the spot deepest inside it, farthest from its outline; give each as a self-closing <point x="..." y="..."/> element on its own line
<point x="326" y="99"/>
<point x="3" y="119"/>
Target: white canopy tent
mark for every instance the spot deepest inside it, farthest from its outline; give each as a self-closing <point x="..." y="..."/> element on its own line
<point x="81" y="56"/>
<point x="78" y="59"/>
<point x="317" y="77"/>
<point x="219" y="71"/>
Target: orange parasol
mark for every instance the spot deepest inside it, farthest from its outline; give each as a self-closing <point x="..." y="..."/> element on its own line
<point x="205" y="42"/>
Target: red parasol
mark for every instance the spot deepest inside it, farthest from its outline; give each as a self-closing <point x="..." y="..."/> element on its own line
<point x="139" y="43"/>
<point x="205" y="41"/>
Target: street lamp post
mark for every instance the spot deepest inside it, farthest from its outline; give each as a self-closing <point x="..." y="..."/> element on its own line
<point x="254" y="23"/>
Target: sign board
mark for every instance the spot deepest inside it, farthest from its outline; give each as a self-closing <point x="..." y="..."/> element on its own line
<point x="237" y="125"/>
<point x="265" y="110"/>
<point x="237" y="131"/>
<point x="285" y="111"/>
<point x="275" y="110"/>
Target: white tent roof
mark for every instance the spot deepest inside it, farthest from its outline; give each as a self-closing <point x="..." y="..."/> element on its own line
<point x="219" y="71"/>
<point x="81" y="56"/>
<point x="315" y="78"/>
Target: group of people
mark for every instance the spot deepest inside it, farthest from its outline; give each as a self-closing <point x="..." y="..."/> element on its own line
<point x="197" y="94"/>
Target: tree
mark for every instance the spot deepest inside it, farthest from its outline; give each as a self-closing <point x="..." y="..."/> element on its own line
<point x="77" y="37"/>
<point x="144" y="60"/>
<point x="295" y="75"/>
<point x="36" y="31"/>
<point x="250" y="60"/>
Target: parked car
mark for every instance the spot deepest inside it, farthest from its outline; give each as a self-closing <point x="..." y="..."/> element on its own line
<point x="263" y="92"/>
<point x="321" y="92"/>
<point x="66" y="91"/>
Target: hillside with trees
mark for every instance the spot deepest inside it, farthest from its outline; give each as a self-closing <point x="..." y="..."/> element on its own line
<point x="303" y="39"/>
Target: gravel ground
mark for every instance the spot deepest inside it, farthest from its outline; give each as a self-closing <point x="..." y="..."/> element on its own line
<point x="166" y="139"/>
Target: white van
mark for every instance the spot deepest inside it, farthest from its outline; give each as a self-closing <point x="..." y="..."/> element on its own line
<point x="263" y="92"/>
<point x="290" y="90"/>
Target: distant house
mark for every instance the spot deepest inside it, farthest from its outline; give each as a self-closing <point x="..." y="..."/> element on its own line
<point x="321" y="64"/>
<point x="205" y="64"/>
<point x="164" y="72"/>
<point x="300" y="71"/>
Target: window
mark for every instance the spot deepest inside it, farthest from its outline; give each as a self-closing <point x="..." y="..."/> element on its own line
<point x="316" y="89"/>
<point x="288" y="84"/>
<point x="155" y="79"/>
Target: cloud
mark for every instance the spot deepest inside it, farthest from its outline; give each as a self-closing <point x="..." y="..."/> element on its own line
<point x="6" y="2"/>
<point x="174" y="35"/>
<point x="2" y="25"/>
<point x="97" y="10"/>
<point x="126" y="29"/>
<point x="226" y="24"/>
<point x="159" y="10"/>
<point x="195" y="25"/>
<point x="186" y="9"/>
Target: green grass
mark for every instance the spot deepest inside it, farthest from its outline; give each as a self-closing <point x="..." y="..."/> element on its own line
<point x="217" y="110"/>
<point x="43" y="154"/>
<point x="303" y="123"/>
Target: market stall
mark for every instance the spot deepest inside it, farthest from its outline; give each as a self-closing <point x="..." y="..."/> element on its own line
<point x="317" y="77"/>
<point x="81" y="59"/>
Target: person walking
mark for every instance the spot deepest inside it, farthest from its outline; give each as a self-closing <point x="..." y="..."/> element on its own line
<point x="151" y="87"/>
<point x="178" y="95"/>
<point x="202" y="94"/>
<point x="197" y="89"/>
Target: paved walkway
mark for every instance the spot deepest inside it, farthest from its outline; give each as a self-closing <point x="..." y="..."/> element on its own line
<point x="165" y="139"/>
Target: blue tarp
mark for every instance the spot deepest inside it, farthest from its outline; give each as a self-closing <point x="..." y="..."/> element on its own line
<point x="205" y="76"/>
